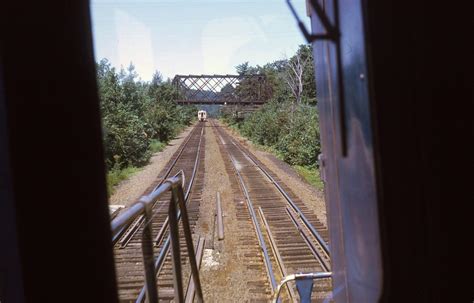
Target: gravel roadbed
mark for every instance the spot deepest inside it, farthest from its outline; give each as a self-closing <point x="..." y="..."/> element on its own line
<point x="311" y="196"/>
<point x="223" y="271"/>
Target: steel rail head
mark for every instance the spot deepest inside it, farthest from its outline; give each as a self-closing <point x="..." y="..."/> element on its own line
<point x="182" y="148"/>
<point x="191" y="289"/>
<point x="307" y="240"/>
<point x="306" y="222"/>
<point x="166" y="246"/>
<point x="253" y="216"/>
<point x="196" y="160"/>
<point x="276" y="253"/>
<point x="290" y="201"/>
<point x="143" y="207"/>
<point x="174" y="215"/>
<point x="159" y="261"/>
<point x="129" y="234"/>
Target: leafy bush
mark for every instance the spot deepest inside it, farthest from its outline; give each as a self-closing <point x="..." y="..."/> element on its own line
<point x="125" y="139"/>
<point x="287" y="125"/>
<point x="300" y="145"/>
<point x="291" y="130"/>
<point x="136" y="115"/>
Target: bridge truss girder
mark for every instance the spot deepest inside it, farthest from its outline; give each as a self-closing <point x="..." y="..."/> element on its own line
<point x="221" y="89"/>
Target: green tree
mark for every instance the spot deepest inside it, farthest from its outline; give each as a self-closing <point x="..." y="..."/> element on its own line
<point x="134" y="113"/>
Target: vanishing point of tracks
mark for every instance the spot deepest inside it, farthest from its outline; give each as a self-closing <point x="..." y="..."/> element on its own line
<point x="278" y="234"/>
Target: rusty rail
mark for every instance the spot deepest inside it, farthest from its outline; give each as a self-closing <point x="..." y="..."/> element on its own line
<point x="276" y="253"/>
<point x="127" y="232"/>
<point x="315" y="246"/>
<point x="293" y="205"/>
<point x="191" y="289"/>
<point x="143" y="207"/>
<point x="308" y="241"/>
<point x="166" y="246"/>
<point x="253" y="216"/>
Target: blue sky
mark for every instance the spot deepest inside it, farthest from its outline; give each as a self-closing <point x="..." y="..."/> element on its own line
<point x="194" y="37"/>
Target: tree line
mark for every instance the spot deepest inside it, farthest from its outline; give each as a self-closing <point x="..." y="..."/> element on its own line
<point x="288" y="124"/>
<point x="137" y="116"/>
<point x="140" y="117"/>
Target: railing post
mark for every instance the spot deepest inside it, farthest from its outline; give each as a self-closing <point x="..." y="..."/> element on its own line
<point x="148" y="258"/>
<point x="178" y="191"/>
<point x="176" y="254"/>
<point x="145" y="207"/>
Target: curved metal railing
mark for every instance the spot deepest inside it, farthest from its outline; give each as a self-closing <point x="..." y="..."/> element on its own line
<point x="139" y="222"/>
<point x="144" y="207"/>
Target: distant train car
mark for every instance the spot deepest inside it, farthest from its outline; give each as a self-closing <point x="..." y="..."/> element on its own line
<point x="202" y="116"/>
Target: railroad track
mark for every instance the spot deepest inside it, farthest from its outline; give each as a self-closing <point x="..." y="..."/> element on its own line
<point x="287" y="237"/>
<point x="189" y="160"/>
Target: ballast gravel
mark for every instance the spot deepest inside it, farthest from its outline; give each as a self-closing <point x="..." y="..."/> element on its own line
<point x="311" y="196"/>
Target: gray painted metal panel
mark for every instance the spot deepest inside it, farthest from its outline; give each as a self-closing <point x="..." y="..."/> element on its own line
<point x="350" y="186"/>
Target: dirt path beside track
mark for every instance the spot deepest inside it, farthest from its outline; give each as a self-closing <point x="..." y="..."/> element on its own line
<point x="128" y="191"/>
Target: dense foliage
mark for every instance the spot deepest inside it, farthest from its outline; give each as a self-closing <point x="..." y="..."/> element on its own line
<point x="288" y="124"/>
<point x="290" y="130"/>
<point x="136" y="115"/>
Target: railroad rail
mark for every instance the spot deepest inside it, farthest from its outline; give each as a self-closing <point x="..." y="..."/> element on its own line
<point x="289" y="237"/>
<point x="186" y="164"/>
<point x="164" y="174"/>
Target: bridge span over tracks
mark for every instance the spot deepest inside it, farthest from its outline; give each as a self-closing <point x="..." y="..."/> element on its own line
<point x="246" y="90"/>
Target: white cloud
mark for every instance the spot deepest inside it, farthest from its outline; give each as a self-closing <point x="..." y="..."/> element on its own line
<point x="223" y="38"/>
<point x="134" y="44"/>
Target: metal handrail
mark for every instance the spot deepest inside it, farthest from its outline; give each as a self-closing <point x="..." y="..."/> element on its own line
<point x="144" y="207"/>
<point x="166" y="246"/>
<point x="137" y="209"/>
<point x="119" y="234"/>
<point x="303" y="290"/>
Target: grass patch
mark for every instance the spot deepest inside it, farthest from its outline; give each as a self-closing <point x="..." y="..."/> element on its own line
<point x="156" y="146"/>
<point x="311" y="175"/>
<point x="115" y="176"/>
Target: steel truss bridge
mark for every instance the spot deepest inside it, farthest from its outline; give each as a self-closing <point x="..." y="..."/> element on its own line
<point x="221" y="89"/>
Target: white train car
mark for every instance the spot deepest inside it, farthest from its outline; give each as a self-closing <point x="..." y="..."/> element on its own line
<point x="202" y="116"/>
